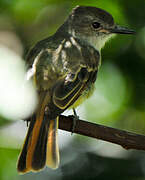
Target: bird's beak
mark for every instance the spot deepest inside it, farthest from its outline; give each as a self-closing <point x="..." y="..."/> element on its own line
<point x="121" y="30"/>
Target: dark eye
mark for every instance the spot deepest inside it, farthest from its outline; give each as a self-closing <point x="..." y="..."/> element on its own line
<point x="96" y="25"/>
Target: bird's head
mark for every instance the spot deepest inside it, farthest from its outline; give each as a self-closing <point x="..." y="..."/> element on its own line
<point x="93" y="25"/>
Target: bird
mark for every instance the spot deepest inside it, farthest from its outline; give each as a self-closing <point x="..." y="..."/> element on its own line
<point x="63" y="69"/>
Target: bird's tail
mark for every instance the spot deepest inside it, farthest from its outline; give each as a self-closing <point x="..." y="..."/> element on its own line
<point x="40" y="146"/>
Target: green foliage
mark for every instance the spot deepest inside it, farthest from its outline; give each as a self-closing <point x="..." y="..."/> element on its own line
<point x="8" y="159"/>
<point x="111" y="93"/>
<point x="4" y="121"/>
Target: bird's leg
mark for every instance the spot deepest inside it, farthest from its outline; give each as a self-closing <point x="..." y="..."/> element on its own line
<point x="75" y="118"/>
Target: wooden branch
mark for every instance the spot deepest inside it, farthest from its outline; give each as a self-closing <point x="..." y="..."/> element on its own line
<point x="126" y="139"/>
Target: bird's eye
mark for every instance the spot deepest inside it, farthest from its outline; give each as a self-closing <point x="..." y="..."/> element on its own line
<point x="96" y="25"/>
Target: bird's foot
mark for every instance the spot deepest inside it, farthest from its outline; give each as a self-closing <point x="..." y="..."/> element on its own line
<point x="75" y="118"/>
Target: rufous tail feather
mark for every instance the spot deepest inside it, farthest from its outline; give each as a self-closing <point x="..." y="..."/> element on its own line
<point x="40" y="146"/>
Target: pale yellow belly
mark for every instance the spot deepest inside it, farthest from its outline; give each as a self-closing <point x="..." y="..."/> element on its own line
<point x="86" y="94"/>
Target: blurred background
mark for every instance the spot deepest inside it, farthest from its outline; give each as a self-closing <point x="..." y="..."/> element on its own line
<point x="118" y="101"/>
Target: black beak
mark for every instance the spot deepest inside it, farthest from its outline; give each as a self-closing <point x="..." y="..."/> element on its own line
<point x="121" y="30"/>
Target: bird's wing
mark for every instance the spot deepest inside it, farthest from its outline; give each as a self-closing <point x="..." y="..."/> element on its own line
<point x="67" y="70"/>
<point x="67" y="90"/>
<point x="81" y="62"/>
